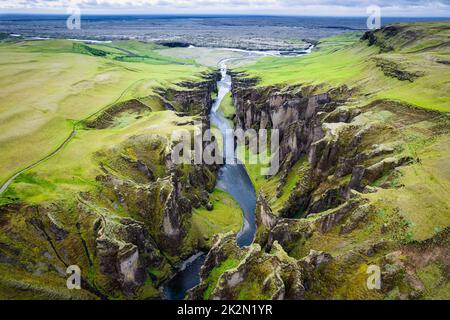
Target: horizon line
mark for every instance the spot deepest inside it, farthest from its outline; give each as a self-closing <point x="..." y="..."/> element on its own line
<point x="112" y="14"/>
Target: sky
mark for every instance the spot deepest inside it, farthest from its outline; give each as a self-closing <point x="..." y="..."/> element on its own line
<point x="397" y="8"/>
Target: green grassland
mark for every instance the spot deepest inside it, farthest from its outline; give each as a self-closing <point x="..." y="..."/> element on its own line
<point x="424" y="200"/>
<point x="48" y="86"/>
<point x="227" y="216"/>
<point x="345" y="60"/>
<point x="74" y="169"/>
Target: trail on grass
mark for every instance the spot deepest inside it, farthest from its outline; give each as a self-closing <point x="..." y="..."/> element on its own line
<point x="10" y="180"/>
<point x="72" y="134"/>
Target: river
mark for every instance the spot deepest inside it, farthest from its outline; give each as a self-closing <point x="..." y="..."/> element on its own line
<point x="234" y="180"/>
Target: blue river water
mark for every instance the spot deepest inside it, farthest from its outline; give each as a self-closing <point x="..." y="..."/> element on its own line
<point x="234" y="180"/>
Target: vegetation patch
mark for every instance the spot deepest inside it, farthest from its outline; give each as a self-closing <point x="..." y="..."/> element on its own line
<point x="227" y="107"/>
<point x="435" y="282"/>
<point x="84" y="49"/>
<point x="226" y="216"/>
<point x="215" y="274"/>
<point x="107" y="118"/>
<point x="395" y="70"/>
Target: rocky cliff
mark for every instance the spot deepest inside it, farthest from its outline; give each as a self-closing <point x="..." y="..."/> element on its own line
<point x="321" y="128"/>
<point x="251" y="274"/>
<point x="128" y="232"/>
<point x="190" y="97"/>
<point x="328" y="224"/>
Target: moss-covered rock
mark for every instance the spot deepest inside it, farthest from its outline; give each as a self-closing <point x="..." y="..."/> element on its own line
<point x="248" y="274"/>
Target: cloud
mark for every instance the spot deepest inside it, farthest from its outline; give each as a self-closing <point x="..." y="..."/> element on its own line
<point x="315" y="7"/>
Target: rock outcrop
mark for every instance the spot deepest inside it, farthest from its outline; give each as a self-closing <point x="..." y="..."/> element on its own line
<point x="190" y="97"/>
<point x="125" y="251"/>
<point x="271" y="228"/>
<point x="319" y="127"/>
<point x="255" y="275"/>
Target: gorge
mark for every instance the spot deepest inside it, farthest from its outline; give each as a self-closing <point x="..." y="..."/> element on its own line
<point x="232" y="179"/>
<point x="363" y="181"/>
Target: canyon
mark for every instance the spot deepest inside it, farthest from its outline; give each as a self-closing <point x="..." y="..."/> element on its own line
<point x="318" y="234"/>
<point x="363" y="182"/>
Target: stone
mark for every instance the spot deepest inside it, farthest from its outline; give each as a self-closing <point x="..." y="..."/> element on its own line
<point x="316" y="259"/>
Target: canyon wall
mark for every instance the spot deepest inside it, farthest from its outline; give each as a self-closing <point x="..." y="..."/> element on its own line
<point x="126" y="234"/>
<point x="339" y="154"/>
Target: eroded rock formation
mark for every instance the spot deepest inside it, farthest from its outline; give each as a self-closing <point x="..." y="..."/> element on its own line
<point x="125" y="234"/>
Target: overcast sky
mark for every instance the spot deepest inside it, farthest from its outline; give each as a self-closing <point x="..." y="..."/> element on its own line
<point x="291" y="7"/>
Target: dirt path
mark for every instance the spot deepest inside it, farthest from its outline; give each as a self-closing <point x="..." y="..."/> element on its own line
<point x="10" y="180"/>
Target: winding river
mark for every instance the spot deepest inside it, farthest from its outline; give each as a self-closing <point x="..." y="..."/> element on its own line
<point x="232" y="179"/>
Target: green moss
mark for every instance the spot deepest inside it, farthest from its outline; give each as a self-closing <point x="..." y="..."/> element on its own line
<point x="227" y="107"/>
<point x="227" y="216"/>
<point x="32" y="178"/>
<point x="435" y="282"/>
<point x="421" y="201"/>
<point x="159" y="273"/>
<point x="296" y="174"/>
<point x="252" y="291"/>
<point x="252" y="288"/>
<point x="255" y="171"/>
<point x="215" y="274"/>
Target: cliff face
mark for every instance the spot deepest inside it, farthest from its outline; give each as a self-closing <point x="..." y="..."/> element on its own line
<point x="326" y="222"/>
<point x="192" y="98"/>
<point x="297" y="113"/>
<point x="160" y="210"/>
<point x="318" y="127"/>
<point x="252" y="273"/>
<point x="125" y="234"/>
